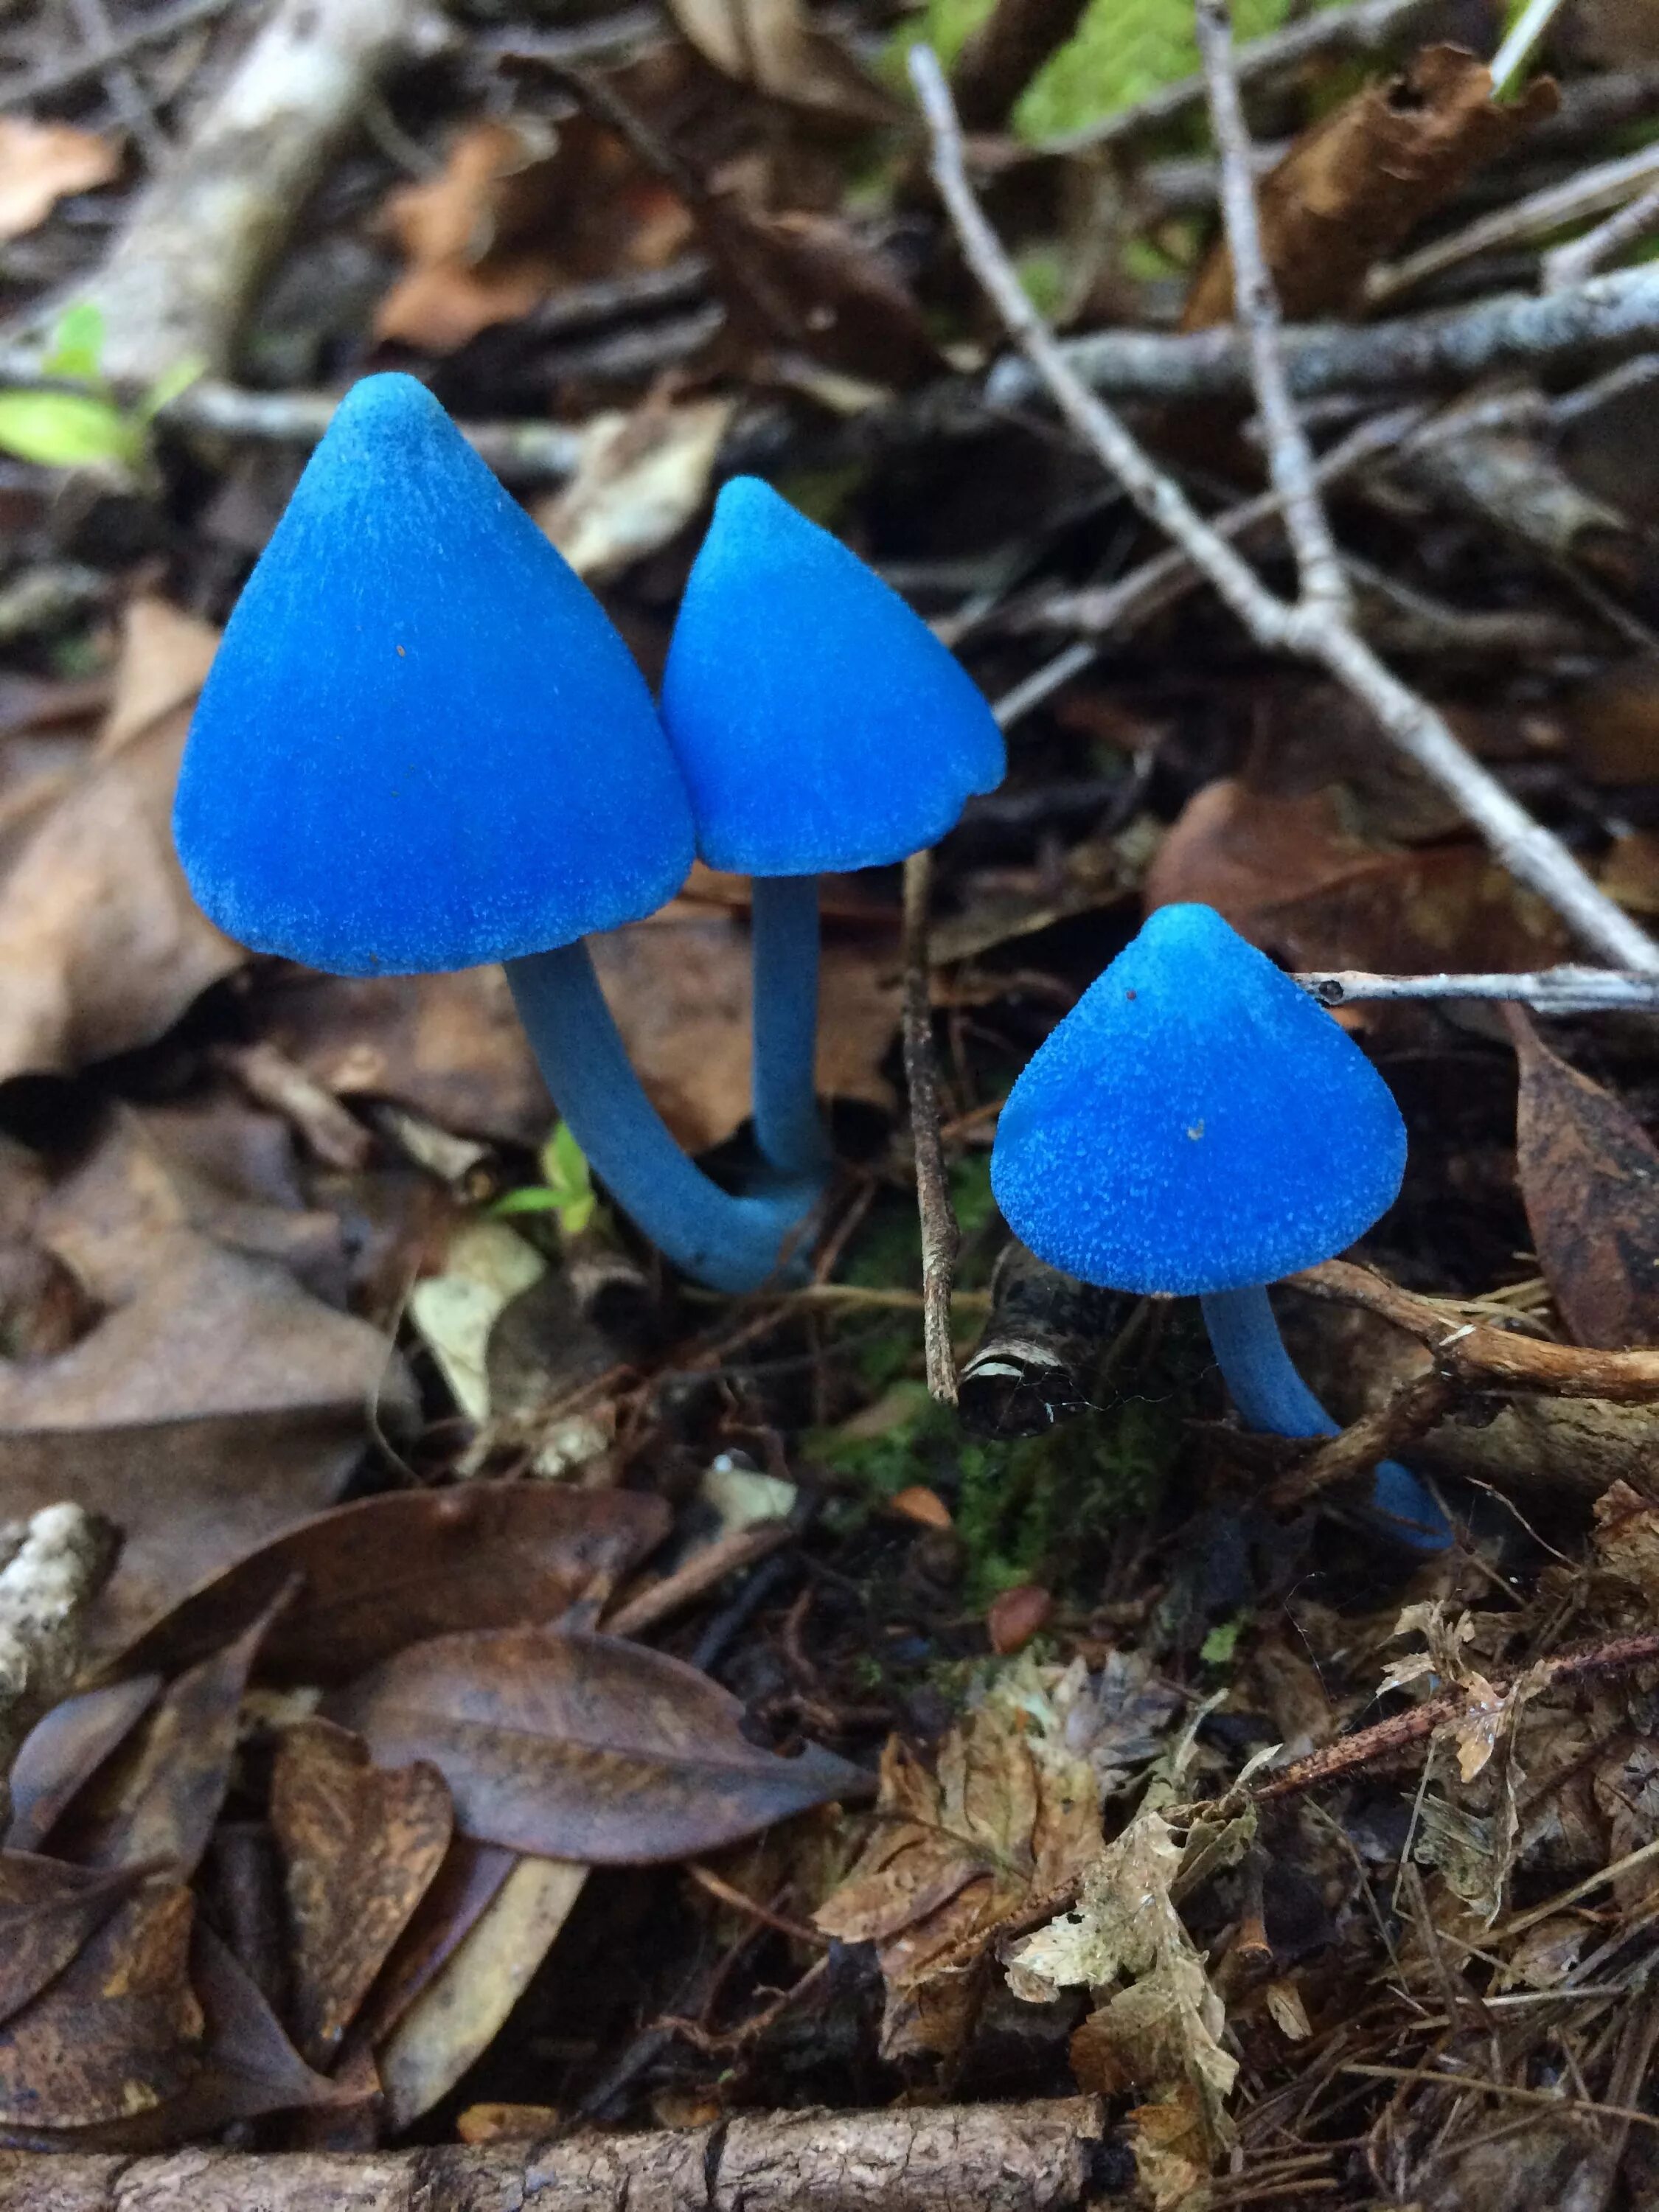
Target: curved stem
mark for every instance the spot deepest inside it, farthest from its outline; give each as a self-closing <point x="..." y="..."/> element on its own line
<point x="1271" y="1395"/>
<point x="788" y="1126"/>
<point x="729" y="1244"/>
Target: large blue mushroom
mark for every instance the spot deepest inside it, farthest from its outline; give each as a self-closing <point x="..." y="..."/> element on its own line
<point x="1197" y="1126"/>
<point x="820" y="725"/>
<point x="424" y="746"/>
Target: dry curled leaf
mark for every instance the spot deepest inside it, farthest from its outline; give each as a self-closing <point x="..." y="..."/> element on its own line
<point x="1354" y="186"/>
<point x="47" y="1910"/>
<point x="66" y="1748"/>
<point x="362" y="1846"/>
<point x="1590" y="1177"/>
<point x="640" y="479"/>
<point x="41" y="163"/>
<point x="772" y="44"/>
<point x="487" y="1555"/>
<point x="579" y="1746"/>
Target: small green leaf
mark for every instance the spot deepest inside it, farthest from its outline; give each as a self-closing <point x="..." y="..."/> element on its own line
<point x="168" y="386"/>
<point x="77" y="343"/>
<point x="1217" y="1648"/>
<point x="565" y="1166"/>
<point x="65" y="431"/>
<point x="529" y="1198"/>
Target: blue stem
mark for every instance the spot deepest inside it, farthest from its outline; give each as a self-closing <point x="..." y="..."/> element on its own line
<point x="1271" y="1395"/>
<point x="730" y="1243"/>
<point x="788" y="1126"/>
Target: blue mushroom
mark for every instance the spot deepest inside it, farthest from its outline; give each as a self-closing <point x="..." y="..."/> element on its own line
<point x="1198" y="1125"/>
<point x="819" y="724"/>
<point x="424" y="746"/>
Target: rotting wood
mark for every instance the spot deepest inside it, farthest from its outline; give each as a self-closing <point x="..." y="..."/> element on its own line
<point x="1034" y="2157"/>
<point x="55" y="1565"/>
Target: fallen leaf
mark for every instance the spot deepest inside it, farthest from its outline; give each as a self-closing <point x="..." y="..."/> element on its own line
<point x="459" y="1896"/>
<point x="361" y="1847"/>
<point x="1016" y="1616"/>
<point x="101" y="946"/>
<point x="811" y="282"/>
<point x="48" y="1910"/>
<point x="773" y="45"/>
<point x="410" y="1565"/>
<point x="641" y="478"/>
<point x="1627" y="1540"/>
<point x="456" y="2017"/>
<point x="120" y="2029"/>
<point x="164" y="657"/>
<point x="66" y="1748"/>
<point x="1356" y="183"/>
<point x="162" y="1794"/>
<point x="1287" y="874"/>
<point x="580" y="1747"/>
<point x="1589" y="1178"/>
<point x="41" y="163"/>
<point x="1011" y="1815"/>
<point x="487" y="1265"/>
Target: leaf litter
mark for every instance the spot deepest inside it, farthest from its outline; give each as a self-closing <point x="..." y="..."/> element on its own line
<point x="1328" y="1871"/>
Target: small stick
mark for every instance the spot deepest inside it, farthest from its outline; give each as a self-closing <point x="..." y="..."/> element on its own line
<point x="1580" y="258"/>
<point x="271" y="1079"/>
<point x="940" y="1237"/>
<point x="1546" y="990"/>
<point x="1532" y="854"/>
<point x="694" y="1577"/>
<point x="1255" y="304"/>
<point x="1411" y="1412"/>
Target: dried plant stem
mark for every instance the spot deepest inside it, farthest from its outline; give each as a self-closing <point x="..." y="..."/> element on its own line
<point x="1312" y="632"/>
<point x="1546" y="990"/>
<point x="940" y="1238"/>
<point x="1580" y="258"/>
<point x="1289" y="457"/>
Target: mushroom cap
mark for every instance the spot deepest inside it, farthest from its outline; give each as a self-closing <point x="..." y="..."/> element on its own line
<point x="422" y="744"/>
<point x="1197" y="1122"/>
<point x="818" y="722"/>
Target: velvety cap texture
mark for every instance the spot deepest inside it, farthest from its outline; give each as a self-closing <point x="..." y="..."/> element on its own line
<point x="819" y="723"/>
<point x="1195" y="1123"/>
<point x="423" y="746"/>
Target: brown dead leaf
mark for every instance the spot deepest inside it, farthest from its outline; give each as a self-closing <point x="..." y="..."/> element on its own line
<point x="457" y="1898"/>
<point x="101" y="946"/>
<point x="1590" y="1177"/>
<point x="163" y="664"/>
<point x="361" y="1847"/>
<point x="47" y="1910"/>
<point x="1356" y="183"/>
<point x="577" y="1746"/>
<point x="1289" y="875"/>
<point x="640" y="479"/>
<point x="65" y="1749"/>
<point x="488" y="1554"/>
<point x="119" y="2031"/>
<point x="810" y="281"/>
<point x="41" y="163"/>
<point x="772" y="44"/>
<point x="1010" y="1816"/>
<point x="1627" y="1540"/>
<point x="161" y="1795"/>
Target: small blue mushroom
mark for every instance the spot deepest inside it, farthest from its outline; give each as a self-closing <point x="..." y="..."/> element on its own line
<point x="424" y="746"/>
<point x="1198" y="1125"/>
<point x="819" y="724"/>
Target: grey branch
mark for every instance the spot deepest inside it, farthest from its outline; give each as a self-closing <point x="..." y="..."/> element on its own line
<point x="1289" y="457"/>
<point x="997" y="2158"/>
<point x="1546" y="990"/>
<point x="188" y="263"/>
<point x="1571" y="264"/>
<point x="55" y="1565"/>
<point x="1618" y="313"/>
<point x="1521" y="845"/>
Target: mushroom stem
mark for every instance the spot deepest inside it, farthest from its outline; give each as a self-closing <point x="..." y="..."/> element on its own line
<point x="730" y="1243"/>
<point x="788" y="1126"/>
<point x="1271" y="1395"/>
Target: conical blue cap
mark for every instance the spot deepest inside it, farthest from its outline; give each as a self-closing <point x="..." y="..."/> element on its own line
<point x="819" y="723"/>
<point x="421" y="745"/>
<point x="1195" y="1123"/>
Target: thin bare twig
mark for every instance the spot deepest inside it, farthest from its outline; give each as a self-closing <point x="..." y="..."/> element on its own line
<point x="1546" y="990"/>
<point x="131" y="101"/>
<point x="1411" y="1412"/>
<point x="1580" y="258"/>
<point x="151" y="30"/>
<point x="1530" y="852"/>
<point x="1255" y="304"/>
<point x="940" y="1237"/>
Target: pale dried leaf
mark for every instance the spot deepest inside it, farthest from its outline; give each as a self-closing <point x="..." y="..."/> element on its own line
<point x="640" y="479"/>
<point x="486" y="1267"/>
<point x="41" y="163"/>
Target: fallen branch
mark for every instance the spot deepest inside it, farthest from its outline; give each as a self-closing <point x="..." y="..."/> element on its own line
<point x="178" y="282"/>
<point x="1453" y="346"/>
<point x="1480" y="1355"/>
<point x="1312" y="632"/>
<point x="55" y="1563"/>
<point x="1546" y="990"/>
<point x="1579" y="258"/>
<point x="940" y="1237"/>
<point x="998" y="2158"/>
